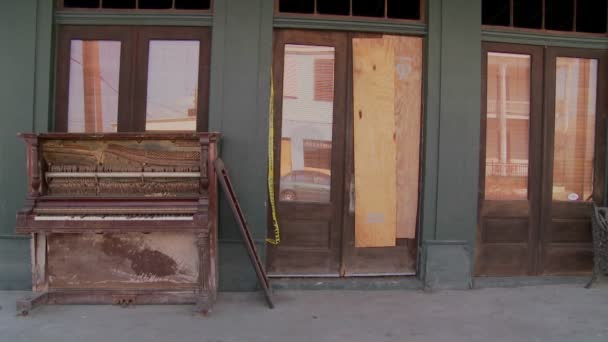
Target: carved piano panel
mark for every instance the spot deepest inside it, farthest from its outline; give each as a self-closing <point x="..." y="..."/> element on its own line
<point x="129" y="260"/>
<point x="119" y="215"/>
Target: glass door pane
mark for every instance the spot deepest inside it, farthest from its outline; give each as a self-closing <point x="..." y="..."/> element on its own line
<point x="172" y="90"/>
<point x="93" y="86"/>
<point x="575" y="109"/>
<point x="306" y="141"/>
<point x="507" y="126"/>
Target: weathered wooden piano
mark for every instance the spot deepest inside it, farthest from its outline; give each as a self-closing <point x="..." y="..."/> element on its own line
<point x="121" y="218"/>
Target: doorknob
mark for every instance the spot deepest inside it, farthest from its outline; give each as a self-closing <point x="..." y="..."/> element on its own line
<point x="352" y="195"/>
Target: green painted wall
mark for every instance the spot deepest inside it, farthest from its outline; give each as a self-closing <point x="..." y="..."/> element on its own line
<point x="17" y="60"/>
<point x="451" y="142"/>
<point x="459" y="119"/>
<point x="240" y="83"/>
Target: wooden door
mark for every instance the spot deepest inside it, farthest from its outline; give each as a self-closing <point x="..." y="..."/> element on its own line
<point x="348" y="128"/>
<point x="382" y="155"/>
<point x="310" y="75"/>
<point x="534" y="208"/>
<point x="573" y="156"/>
<point x="510" y="167"/>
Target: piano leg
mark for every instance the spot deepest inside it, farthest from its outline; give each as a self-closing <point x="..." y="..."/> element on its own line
<point x="27" y="304"/>
<point x="207" y="291"/>
<point x="204" y="303"/>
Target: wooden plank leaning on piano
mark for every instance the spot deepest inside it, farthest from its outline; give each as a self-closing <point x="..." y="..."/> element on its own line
<point x="121" y="218"/>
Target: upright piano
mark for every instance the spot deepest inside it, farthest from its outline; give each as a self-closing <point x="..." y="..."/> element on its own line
<point x="122" y="218"/>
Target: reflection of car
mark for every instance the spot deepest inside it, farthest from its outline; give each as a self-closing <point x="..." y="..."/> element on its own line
<point x="306" y="186"/>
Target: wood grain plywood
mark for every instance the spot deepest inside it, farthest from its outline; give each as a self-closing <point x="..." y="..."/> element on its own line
<point x="408" y="107"/>
<point x="374" y="143"/>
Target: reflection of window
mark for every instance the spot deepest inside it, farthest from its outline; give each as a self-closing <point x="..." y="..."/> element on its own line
<point x="306" y="125"/>
<point x="317" y="154"/>
<point x="324" y="79"/>
<point x="290" y="78"/>
<point x="132" y="79"/>
<point x="507" y="126"/>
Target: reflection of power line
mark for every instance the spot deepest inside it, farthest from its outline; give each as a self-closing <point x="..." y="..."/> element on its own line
<point x="175" y="111"/>
<point x="166" y="107"/>
<point x="100" y="77"/>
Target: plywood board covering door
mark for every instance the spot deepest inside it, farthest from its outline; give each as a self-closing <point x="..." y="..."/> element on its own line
<point x="374" y="143"/>
<point x="408" y="108"/>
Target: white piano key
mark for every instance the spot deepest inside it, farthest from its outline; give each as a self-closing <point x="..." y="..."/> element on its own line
<point x="112" y="218"/>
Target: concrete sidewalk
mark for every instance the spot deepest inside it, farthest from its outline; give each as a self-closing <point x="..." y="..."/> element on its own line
<point x="542" y="313"/>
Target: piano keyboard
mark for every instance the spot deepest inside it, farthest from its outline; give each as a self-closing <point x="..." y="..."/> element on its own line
<point x="114" y="218"/>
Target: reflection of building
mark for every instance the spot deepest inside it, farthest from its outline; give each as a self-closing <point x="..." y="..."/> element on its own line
<point x="307" y="108"/>
<point x="575" y="99"/>
<point x="508" y="114"/>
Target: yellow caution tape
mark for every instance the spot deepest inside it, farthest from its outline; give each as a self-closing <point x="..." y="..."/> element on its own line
<point x="275" y="223"/>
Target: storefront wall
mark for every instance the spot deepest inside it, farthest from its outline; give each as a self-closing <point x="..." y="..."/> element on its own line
<point x="241" y="59"/>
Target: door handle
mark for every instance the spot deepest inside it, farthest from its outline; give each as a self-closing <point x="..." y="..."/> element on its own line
<point x="351" y="195"/>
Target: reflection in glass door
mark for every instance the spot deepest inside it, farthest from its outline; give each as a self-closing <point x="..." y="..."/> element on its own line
<point x="306" y="128"/>
<point x="172" y="91"/>
<point x="574" y="158"/>
<point x="575" y="114"/>
<point x="542" y="169"/>
<point x="93" y="86"/>
<point x="507" y="126"/>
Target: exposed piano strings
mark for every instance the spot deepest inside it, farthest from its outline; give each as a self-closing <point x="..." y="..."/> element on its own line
<point x="122" y="174"/>
<point x="114" y="218"/>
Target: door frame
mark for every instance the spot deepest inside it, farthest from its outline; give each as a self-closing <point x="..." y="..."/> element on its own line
<point x="343" y="242"/>
<point x="338" y="41"/>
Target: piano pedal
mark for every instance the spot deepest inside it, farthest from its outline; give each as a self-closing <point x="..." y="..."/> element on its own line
<point x="124" y="301"/>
